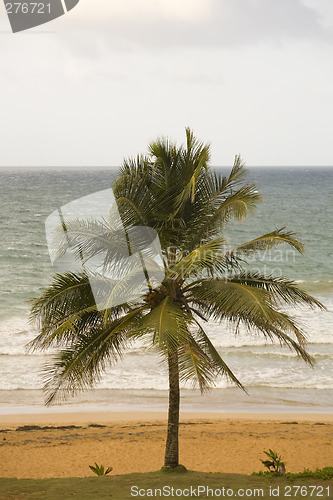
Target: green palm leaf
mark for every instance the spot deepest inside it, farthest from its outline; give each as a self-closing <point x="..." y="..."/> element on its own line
<point x="168" y="325"/>
<point x="82" y="364"/>
<point x="269" y="240"/>
<point x="221" y="368"/>
<point x="206" y="257"/>
<point x="238" y="302"/>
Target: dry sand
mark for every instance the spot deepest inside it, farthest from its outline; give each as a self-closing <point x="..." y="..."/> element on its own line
<point x="134" y="442"/>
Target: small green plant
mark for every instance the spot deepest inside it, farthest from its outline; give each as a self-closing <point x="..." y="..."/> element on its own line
<point x="275" y="461"/>
<point x="325" y="473"/>
<point x="99" y="470"/>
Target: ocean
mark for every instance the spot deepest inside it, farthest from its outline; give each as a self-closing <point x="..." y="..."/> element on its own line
<point x="277" y="381"/>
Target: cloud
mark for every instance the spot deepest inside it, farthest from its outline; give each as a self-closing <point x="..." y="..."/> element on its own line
<point x="153" y="10"/>
<point x="159" y="24"/>
<point x="253" y="76"/>
<point x="324" y="9"/>
<point x="94" y="29"/>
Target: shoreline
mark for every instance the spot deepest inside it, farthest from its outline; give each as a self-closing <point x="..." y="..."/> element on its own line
<point x="102" y="417"/>
<point x="217" y="401"/>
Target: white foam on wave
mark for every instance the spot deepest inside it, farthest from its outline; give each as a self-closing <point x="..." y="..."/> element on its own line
<point x="143" y="370"/>
<point x="253" y="359"/>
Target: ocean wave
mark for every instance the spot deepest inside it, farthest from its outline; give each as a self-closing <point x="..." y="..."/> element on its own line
<point x="16" y="356"/>
<point x="157" y="379"/>
<point x="239" y="354"/>
<point x="287" y="386"/>
<point x="321" y="286"/>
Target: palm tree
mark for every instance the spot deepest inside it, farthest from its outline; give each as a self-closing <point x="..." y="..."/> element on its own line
<point x="173" y="190"/>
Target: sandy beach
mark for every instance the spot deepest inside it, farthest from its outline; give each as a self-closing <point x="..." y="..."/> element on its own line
<point x="64" y="445"/>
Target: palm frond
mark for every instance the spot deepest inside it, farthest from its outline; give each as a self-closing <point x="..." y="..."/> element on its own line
<point x="220" y="366"/>
<point x="168" y="325"/>
<point x="237" y="205"/>
<point x="68" y="294"/>
<point x="195" y="366"/>
<point x="204" y="258"/>
<point x="238" y="302"/>
<point x="281" y="290"/>
<point x="237" y="173"/>
<point x="68" y="307"/>
<point x="65" y="331"/>
<point x="269" y="240"/>
<point x="81" y="365"/>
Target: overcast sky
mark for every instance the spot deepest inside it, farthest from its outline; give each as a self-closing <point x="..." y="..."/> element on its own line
<point x="253" y="77"/>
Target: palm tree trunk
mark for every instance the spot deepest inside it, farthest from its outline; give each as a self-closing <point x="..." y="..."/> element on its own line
<point x="171" y="450"/>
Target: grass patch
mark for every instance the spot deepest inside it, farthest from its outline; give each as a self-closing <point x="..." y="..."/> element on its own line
<point x="119" y="487"/>
<point x="325" y="473"/>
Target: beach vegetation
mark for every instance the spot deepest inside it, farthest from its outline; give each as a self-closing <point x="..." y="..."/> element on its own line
<point x="100" y="470"/>
<point x="275" y="462"/>
<point x="324" y="473"/>
<point x="173" y="190"/>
